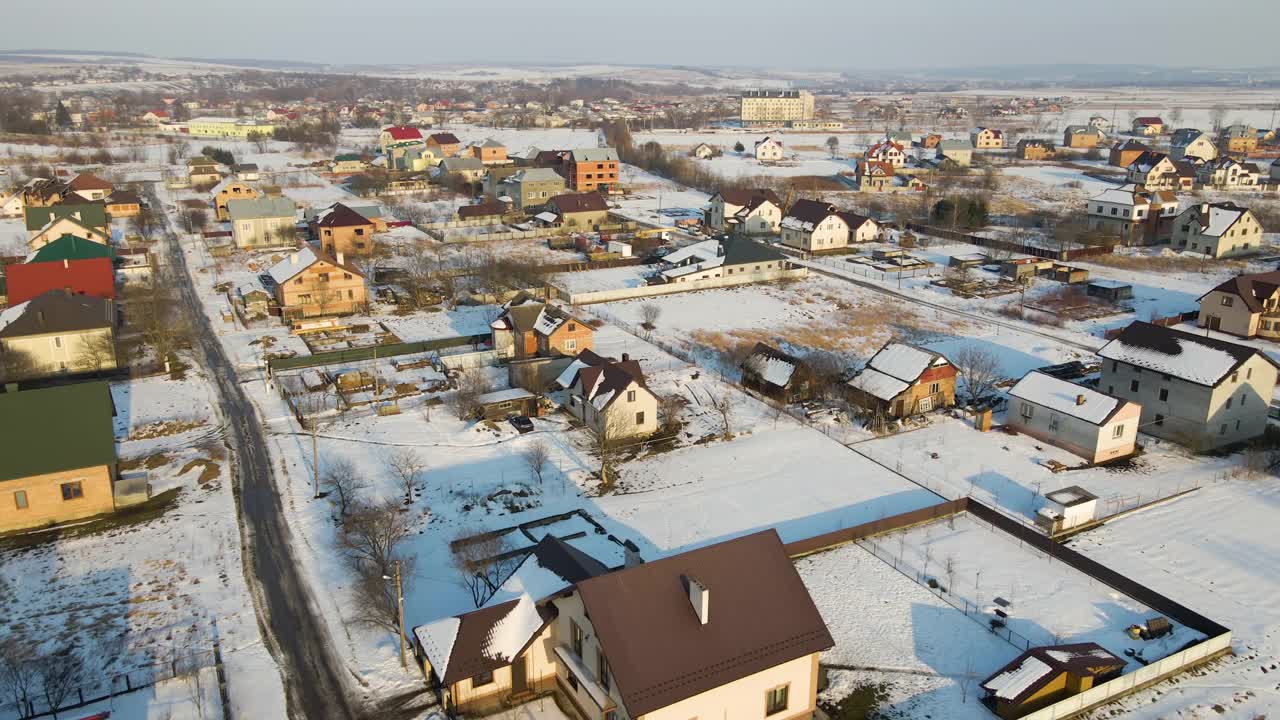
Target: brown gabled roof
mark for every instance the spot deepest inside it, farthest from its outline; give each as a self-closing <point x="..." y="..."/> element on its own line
<point x="444" y="139"/>
<point x="487" y="209"/>
<point x="811" y="211"/>
<point x="339" y="215"/>
<point x="750" y="199"/>
<point x="578" y="202"/>
<point x="1020" y="681"/>
<point x="609" y="377"/>
<point x="1253" y="289"/>
<point x="759" y="616"/>
<point x="475" y="629"/>
<point x="88" y="181"/>
<point x="58" y="311"/>
<point x="124" y="197"/>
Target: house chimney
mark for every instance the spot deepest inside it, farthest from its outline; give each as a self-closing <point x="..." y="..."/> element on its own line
<point x="1080" y="399"/>
<point x="1204" y="208"/>
<point x="340" y="258"/>
<point x="293" y="258"/>
<point x="66" y="263"/>
<point x="631" y="555"/>
<point x="699" y="598"/>
<point x="626" y="357"/>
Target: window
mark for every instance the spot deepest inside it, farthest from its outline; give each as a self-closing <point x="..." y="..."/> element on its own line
<point x="1235" y="376"/>
<point x="57" y="341"/>
<point x="1164" y="393"/>
<point x="575" y="637"/>
<point x="20" y="499"/>
<point x="573" y="680"/>
<point x="485" y="678"/>
<point x="631" y="396"/>
<point x="570" y="344"/>
<point x="640" y="418"/>
<point x="1117" y="431"/>
<point x="573" y="327"/>
<point x="1242" y="397"/>
<point x="1159" y="420"/>
<point x="776" y="700"/>
<point x="1222" y="430"/>
<point x="1053" y="421"/>
<point x="603" y="666"/>
<point x="1111" y="389"/>
<point x="73" y="490"/>
<point x="935" y="388"/>
<point x="1133" y="386"/>
<point x="1114" y="366"/>
<point x="1027" y="410"/>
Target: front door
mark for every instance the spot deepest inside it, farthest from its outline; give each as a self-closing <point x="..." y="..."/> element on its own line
<point x="519" y="676"/>
<point x="925" y="404"/>
<point x="1214" y="322"/>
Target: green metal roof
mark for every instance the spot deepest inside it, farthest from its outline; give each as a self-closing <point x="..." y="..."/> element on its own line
<point x="70" y="247"/>
<point x="56" y="429"/>
<point x="92" y="215"/>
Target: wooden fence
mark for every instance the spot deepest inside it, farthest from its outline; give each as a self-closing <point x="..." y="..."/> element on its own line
<point x="1061" y="254"/>
<point x="382" y="351"/>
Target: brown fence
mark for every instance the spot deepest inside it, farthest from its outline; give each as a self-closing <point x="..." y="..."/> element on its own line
<point x="1063" y="254"/>
<point x="1169" y="321"/>
<point x="876" y="527"/>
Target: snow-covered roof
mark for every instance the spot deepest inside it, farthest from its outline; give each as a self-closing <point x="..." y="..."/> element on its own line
<point x="694" y="267"/>
<point x="1014" y="681"/>
<point x="1063" y="397"/>
<point x="436" y="639"/>
<point x="903" y="361"/>
<point x="878" y="384"/>
<point x="548" y="321"/>
<point x="1127" y="194"/>
<point x="1220" y="219"/>
<point x="702" y="250"/>
<point x="773" y="370"/>
<point x="295" y="263"/>
<point x="507" y="395"/>
<point x="548" y="217"/>
<point x="566" y="378"/>
<point x="1196" y="359"/>
<point x="11" y="313"/>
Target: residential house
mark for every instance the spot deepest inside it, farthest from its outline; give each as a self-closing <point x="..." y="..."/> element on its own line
<point x="1191" y="143"/>
<point x="155" y="117"/>
<point x="59" y="464"/>
<point x="1125" y="154"/>
<point x="1238" y="140"/>
<point x="527" y="329"/>
<point x="674" y="638"/>
<point x="956" y="152"/>
<point x="1134" y="214"/>
<point x="462" y="169"/>
<point x="1154" y="171"/>
<point x="490" y="152"/>
<point x="1042" y="676"/>
<point x="92" y="215"/>
<point x="1078" y="419"/>
<point x="778" y="375"/>
<point x="874" y="176"/>
<point x="613" y="400"/>
<point x="590" y="169"/>
<point x="78" y="223"/>
<point x="495" y="178"/>
<point x="42" y="192"/>
<point x="930" y="141"/>
<point x="510" y="402"/>
<point x="768" y="150"/>
<point x="123" y="204"/>
<point x="202" y="171"/>
<point x="447" y="144"/>
<point x="401" y="136"/>
<point x="1228" y="174"/>
<point x="71" y="247"/>
<point x="1100" y="122"/>
<point x="986" y="138"/>
<point x="731" y="257"/>
<point x="1082" y="136"/>
<point x="58" y="332"/>
<point x="1194" y="390"/>
<point x="228" y="190"/>
<point x="902" y="380"/>
<point x="263" y="222"/>
<point x="229" y="127"/>
<point x="887" y="151"/>
<point x="1246" y="305"/>
<point x="89" y="187"/>
<point x="703" y="151"/>
<point x="532" y="187"/>
<point x="587" y="209"/>
<point x="1148" y="125"/>
<point x="750" y="212"/>
<point x="11" y="203"/>
<point x="815" y="226"/>
<point x="901" y="137"/>
<point x="247" y="172"/>
<point x="311" y="284"/>
<point x="81" y="276"/>
<point x="1031" y="149"/>
<point x="343" y="230"/>
<point x="348" y="163"/>
<point x="1217" y="229"/>
<point x="486" y="210"/>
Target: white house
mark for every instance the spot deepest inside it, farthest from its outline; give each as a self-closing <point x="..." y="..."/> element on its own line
<point x="752" y="212"/>
<point x="768" y="150"/>
<point x="1067" y="508"/>
<point x="887" y="151"/>
<point x="1083" y="421"/>
<point x="1228" y="174"/>
<point x="1132" y="212"/>
<point x="812" y="226"/>
<point x="1192" y="143"/>
<point x="1217" y="229"/>
<point x="611" y="398"/>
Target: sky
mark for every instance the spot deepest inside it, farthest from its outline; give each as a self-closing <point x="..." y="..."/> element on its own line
<point x="782" y="34"/>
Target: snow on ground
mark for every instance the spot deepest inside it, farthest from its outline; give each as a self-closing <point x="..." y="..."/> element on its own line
<point x="191" y="697"/>
<point x="1063" y="179"/>
<point x="313" y="191"/>
<point x="900" y="634"/>
<point x="1210" y="551"/>
<point x="629" y="276"/>
<point x="954" y="460"/>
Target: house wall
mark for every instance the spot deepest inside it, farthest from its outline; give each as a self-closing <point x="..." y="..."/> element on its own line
<point x="261" y="232"/>
<point x="1093" y="442"/>
<point x="64" y="226"/>
<point x="831" y="233"/>
<point x="59" y="352"/>
<point x="1244" y="235"/>
<point x="1236" y="318"/>
<point x="535" y="192"/>
<point x="309" y="294"/>
<point x="586" y="219"/>
<point x="768" y="152"/>
<point x="620" y="416"/>
<point x="586" y="176"/>
<point x="776" y="109"/>
<point x="45" y="505"/>
<point x="908" y="402"/>
<point x="483" y="699"/>
<point x="233" y="191"/>
<point x="571" y="338"/>
<point x="744" y="699"/>
<point x="1195" y="415"/>
<point x="1202" y="147"/>
<point x="572" y="611"/>
<point x="351" y="240"/>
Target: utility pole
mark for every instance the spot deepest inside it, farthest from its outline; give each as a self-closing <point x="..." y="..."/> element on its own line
<point x="400" y="605"/>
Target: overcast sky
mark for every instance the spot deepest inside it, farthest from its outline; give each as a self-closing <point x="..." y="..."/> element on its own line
<point x="794" y="34"/>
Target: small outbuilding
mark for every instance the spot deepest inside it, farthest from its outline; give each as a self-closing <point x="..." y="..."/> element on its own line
<point x="1113" y="290"/>
<point x="1042" y="676"/>
<point x="1067" y="508"/>
<point x="506" y="403"/>
<point x="771" y="372"/>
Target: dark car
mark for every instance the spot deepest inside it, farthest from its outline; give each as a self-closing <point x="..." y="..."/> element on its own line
<point x="522" y="424"/>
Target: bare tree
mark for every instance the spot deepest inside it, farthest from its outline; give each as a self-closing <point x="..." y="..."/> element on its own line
<point x="483" y="562"/>
<point x="833" y="146"/>
<point x="649" y="313"/>
<point x="978" y="368"/>
<point x="471" y="384"/>
<point x="669" y="407"/>
<point x="18" y="676"/>
<point x="16" y="364"/>
<point x="377" y="601"/>
<point x="536" y="455"/>
<point x="949" y="567"/>
<point x="1217" y="115"/>
<point x="144" y="223"/>
<point x="58" y="674"/>
<point x="164" y="327"/>
<point x="406" y="464"/>
<point x="196" y="219"/>
<point x="342" y="482"/>
<point x="97" y="352"/>
<point x="609" y="439"/>
<point x="372" y="534"/>
<point x="722" y="403"/>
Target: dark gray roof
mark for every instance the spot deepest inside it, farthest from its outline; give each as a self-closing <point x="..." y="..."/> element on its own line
<point x="58" y="311"/>
<point x="738" y="251"/>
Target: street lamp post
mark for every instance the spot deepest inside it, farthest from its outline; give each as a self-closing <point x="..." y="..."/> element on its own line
<point x="399" y="612"/>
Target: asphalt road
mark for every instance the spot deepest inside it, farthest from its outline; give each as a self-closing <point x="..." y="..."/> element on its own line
<point x="295" y="634"/>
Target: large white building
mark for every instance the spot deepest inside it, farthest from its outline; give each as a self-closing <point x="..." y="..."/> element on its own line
<point x="775" y="107"/>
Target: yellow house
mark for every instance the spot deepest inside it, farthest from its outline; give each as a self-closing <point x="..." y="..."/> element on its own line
<point x="59" y="463"/>
<point x="57" y="333"/>
<point x="723" y="631"/>
<point x="309" y="284"/>
<point x="229" y="190"/>
<point x="66" y="226"/>
<point x="611" y="398"/>
<point x="1042" y="676"/>
<point x="224" y="127"/>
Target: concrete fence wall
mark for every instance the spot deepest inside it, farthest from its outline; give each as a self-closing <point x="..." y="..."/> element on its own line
<point x="461" y="361"/>
<point x="599" y="296"/>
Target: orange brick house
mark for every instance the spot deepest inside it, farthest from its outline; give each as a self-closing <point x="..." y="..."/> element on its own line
<point x="588" y="169"/>
<point x="902" y="380"/>
<point x="228" y="190"/>
<point x="311" y="284"/>
<point x="343" y="230"/>
<point x="447" y="143"/>
<point x="528" y="328"/>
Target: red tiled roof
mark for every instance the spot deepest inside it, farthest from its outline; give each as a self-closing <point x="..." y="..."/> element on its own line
<point x="403" y="133"/>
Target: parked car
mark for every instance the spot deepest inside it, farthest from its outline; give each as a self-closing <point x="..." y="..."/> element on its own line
<point x="521" y="423"/>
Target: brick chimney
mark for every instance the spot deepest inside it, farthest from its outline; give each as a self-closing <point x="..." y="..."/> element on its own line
<point x="1080" y="399"/>
<point x="699" y="598"/>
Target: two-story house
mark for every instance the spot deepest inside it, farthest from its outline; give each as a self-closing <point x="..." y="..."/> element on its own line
<point x="1238" y="140"/>
<point x="311" y="284"/>
<point x="1197" y="391"/>
<point x="723" y="631"/>
<point x="589" y="169"/>
<point x="769" y="150"/>
<point x="1217" y="229"/>
<point x="1190" y="143"/>
<point x="1228" y="174"/>
<point x="532" y="187"/>
<point x="1124" y="154"/>
<point x="445" y="143"/>
<point x="613" y="400"/>
<point x="399" y="135"/>
<point x="59" y="333"/>
<point x="263" y="222"/>
<point x="812" y="226"/>
<point x="1154" y="171"/>
<point x="581" y="210"/>
<point x="1246" y="305"/>
<point x="341" y="229"/>
<point x="749" y="212"/>
<point x="874" y="176"/>
<point x="1034" y="149"/>
<point x="902" y="380"/>
<point x="1148" y="125"/>
<point x="527" y="328"/>
<point x="985" y="138"/>
<point x="90" y="187"/>
<point x="231" y="189"/>
<point x="887" y="151"/>
<point x="1132" y="213"/>
<point x="1082" y="136"/>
